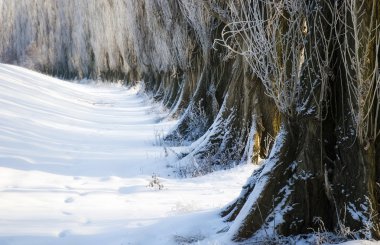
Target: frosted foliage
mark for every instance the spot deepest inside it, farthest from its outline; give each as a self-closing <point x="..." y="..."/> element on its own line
<point x="90" y="38"/>
<point x="183" y="46"/>
<point x="200" y="19"/>
<point x="156" y="24"/>
<point x="282" y="51"/>
<point x="169" y="41"/>
<point x="359" y="49"/>
<point x="54" y="33"/>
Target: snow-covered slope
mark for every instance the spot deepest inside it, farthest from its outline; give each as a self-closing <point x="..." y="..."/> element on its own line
<point x="75" y="163"/>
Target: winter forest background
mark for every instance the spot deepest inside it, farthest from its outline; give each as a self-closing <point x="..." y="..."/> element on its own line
<point x="293" y="82"/>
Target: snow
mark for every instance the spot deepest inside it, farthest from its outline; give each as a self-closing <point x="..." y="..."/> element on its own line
<point x="76" y="161"/>
<point x="261" y="182"/>
<point x="360" y="242"/>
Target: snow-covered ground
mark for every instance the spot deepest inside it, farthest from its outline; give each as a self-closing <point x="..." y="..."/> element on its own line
<point x="76" y="161"/>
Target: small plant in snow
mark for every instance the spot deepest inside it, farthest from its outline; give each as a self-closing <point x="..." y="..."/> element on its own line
<point x="155" y="182"/>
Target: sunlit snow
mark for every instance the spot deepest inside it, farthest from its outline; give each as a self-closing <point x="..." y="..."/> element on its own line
<point x="76" y="161"/>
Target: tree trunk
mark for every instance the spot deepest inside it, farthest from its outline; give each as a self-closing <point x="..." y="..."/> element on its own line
<point x="285" y="195"/>
<point x="240" y="129"/>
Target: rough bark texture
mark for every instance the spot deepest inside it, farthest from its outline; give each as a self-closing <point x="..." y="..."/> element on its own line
<point x="318" y="164"/>
<point x="322" y="169"/>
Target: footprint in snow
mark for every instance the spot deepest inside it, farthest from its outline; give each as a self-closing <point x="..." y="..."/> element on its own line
<point x="64" y="233"/>
<point x="88" y="222"/>
<point x="69" y="200"/>
<point x="104" y="179"/>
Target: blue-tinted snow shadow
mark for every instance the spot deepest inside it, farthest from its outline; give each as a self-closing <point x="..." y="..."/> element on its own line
<point x="203" y="226"/>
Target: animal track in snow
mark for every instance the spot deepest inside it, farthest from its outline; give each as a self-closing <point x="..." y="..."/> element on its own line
<point x="69" y="200"/>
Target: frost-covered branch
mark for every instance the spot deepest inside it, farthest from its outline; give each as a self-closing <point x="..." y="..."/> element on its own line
<point x="359" y="47"/>
<point x="276" y="39"/>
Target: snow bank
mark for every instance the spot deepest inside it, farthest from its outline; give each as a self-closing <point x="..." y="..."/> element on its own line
<point x="75" y="163"/>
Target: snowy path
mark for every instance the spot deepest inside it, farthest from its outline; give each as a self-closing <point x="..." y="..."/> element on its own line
<point x="75" y="162"/>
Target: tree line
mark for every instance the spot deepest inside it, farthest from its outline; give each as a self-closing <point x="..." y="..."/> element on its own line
<point x="294" y="82"/>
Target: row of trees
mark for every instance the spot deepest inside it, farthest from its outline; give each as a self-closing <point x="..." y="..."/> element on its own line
<point x="293" y="81"/>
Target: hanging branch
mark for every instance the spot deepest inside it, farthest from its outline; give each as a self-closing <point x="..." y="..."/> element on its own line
<point x="274" y="36"/>
<point x="359" y="47"/>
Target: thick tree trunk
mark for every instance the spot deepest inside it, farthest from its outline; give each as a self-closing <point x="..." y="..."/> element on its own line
<point x="285" y="195"/>
<point x="243" y="129"/>
<point x="199" y="113"/>
<point x="183" y="98"/>
<point x="354" y="182"/>
<point x="318" y="169"/>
